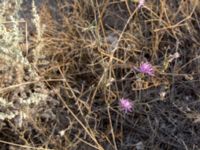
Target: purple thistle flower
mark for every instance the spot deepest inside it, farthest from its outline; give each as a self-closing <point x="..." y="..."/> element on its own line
<point x="126" y="105"/>
<point x="146" y="68"/>
<point x="141" y="3"/>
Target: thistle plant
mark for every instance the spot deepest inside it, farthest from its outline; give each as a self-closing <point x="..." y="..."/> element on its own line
<point x="146" y="68"/>
<point x="126" y="105"/>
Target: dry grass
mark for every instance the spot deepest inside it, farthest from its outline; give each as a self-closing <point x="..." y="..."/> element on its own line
<point x="79" y="64"/>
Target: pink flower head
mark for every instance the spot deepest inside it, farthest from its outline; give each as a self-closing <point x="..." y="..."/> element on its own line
<point x="141" y="3"/>
<point x="146" y="68"/>
<point x="126" y="105"/>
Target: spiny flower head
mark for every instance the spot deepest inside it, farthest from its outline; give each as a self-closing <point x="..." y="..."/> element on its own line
<point x="126" y="105"/>
<point x="173" y="56"/>
<point x="141" y="3"/>
<point x="146" y="68"/>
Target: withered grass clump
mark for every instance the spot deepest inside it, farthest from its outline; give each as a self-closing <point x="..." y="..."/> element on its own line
<point x="76" y="59"/>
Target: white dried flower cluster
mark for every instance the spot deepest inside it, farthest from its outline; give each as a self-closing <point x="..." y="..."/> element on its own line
<point x="12" y="60"/>
<point x="8" y="114"/>
<point x="10" y="33"/>
<point x="39" y="33"/>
